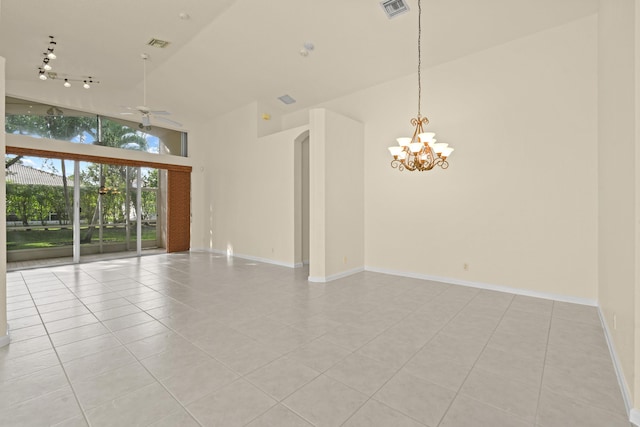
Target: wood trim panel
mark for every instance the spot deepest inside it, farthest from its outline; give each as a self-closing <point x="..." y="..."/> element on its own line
<point x="96" y="159"/>
<point x="178" y="211"/>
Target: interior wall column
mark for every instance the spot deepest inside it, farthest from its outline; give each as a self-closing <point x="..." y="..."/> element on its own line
<point x="336" y="200"/>
<point x="4" y="330"/>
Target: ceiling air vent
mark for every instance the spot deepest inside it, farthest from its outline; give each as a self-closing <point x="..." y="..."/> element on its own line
<point x="394" y="8"/>
<point x="158" y="43"/>
<point x="286" y="99"/>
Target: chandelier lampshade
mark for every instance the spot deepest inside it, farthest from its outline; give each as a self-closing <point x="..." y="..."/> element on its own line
<point x="420" y="152"/>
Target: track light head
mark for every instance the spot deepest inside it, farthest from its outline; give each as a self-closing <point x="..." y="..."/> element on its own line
<point x="50" y="53"/>
<point x="86" y="85"/>
<point x="66" y="83"/>
<point x="43" y="76"/>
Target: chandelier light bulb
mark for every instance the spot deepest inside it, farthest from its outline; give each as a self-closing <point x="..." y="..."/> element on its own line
<point x="66" y="83"/>
<point x="404" y="141"/>
<point x="446" y="152"/>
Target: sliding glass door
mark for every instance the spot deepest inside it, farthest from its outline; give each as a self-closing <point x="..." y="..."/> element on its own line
<point x="89" y="209"/>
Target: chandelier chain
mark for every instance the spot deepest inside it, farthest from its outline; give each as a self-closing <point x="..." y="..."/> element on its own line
<point x="419" y="56"/>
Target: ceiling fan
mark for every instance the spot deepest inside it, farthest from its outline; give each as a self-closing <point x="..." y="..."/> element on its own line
<point x="143" y="110"/>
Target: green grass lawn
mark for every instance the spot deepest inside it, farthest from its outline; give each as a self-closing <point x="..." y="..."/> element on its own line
<point x="57" y="236"/>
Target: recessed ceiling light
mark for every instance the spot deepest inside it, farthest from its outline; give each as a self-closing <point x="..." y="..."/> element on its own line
<point x="184" y="16"/>
<point x="286" y="99"/>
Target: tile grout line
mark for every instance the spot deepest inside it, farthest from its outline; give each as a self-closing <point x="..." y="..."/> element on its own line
<point x="544" y="364"/>
<point x="484" y="347"/>
<point x="411" y="358"/>
<point x="53" y="347"/>
<point x="474" y="364"/>
<point x="133" y="355"/>
<point x="412" y="331"/>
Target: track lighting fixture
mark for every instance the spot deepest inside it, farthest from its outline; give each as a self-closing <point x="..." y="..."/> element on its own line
<point x="48" y="56"/>
<point x="52" y="46"/>
<point x="45" y="73"/>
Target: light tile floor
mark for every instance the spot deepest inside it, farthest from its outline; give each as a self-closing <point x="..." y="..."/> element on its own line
<point x="197" y="339"/>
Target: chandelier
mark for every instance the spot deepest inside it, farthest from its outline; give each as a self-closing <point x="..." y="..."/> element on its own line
<point x="420" y="152"/>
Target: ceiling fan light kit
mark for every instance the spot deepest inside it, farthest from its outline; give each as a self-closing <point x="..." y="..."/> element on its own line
<point x="146" y="112"/>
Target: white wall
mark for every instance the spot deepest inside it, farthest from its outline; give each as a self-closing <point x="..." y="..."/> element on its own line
<point x="305" y="188"/>
<point x="636" y="383"/>
<point x="617" y="177"/>
<point x="617" y="165"/>
<point x="519" y="201"/>
<point x="301" y="199"/>
<point x="4" y="339"/>
<point x="336" y="203"/>
<point x="249" y="188"/>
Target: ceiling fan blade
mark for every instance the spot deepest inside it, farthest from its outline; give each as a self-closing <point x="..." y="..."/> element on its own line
<point x="171" y="122"/>
<point x="160" y="112"/>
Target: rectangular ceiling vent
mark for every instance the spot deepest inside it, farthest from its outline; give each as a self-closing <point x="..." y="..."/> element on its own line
<point x="158" y="43"/>
<point x="394" y="8"/>
<point x="287" y="99"/>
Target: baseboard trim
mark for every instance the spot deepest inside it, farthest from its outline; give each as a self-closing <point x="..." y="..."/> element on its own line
<point x="325" y="279"/>
<point x="251" y="258"/>
<point x="634" y="414"/>
<point x="5" y="339"/>
<point x="487" y="286"/>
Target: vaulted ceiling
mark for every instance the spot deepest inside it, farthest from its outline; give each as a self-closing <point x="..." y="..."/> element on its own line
<point x="232" y="52"/>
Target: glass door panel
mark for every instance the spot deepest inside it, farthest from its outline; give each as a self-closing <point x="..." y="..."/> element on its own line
<point x="149" y="207"/>
<point x="39" y="208"/>
<point x="105" y="201"/>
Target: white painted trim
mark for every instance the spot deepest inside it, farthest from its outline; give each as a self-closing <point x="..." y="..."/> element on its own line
<point x="320" y="279"/>
<point x="249" y="257"/>
<point x="5" y="339"/>
<point x="488" y="286"/>
<point x="624" y="388"/>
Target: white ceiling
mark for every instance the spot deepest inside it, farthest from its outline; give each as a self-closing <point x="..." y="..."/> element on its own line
<point x="232" y="52"/>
